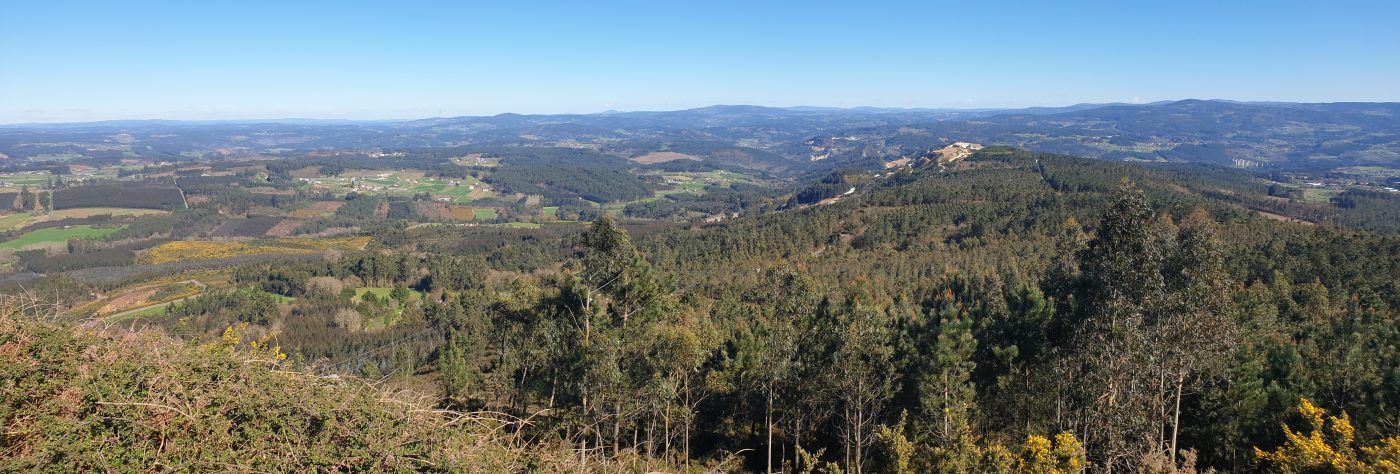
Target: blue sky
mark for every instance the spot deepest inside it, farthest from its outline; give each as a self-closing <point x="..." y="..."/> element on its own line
<point x="76" y="61"/>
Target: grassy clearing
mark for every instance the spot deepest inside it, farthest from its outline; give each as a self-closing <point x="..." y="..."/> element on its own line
<point x="317" y="209"/>
<point x="484" y="214"/>
<point x="152" y="311"/>
<point x="382" y="293"/>
<point x="1320" y="195"/>
<point x="58" y="235"/>
<point x="13" y="221"/>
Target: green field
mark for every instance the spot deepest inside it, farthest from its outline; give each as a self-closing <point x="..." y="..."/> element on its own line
<point x="381" y="292"/>
<point x="1320" y="195"/>
<point x="404" y="183"/>
<point x="460" y="194"/>
<point x="32" y="179"/>
<point x="551" y="212"/>
<point x="55" y="235"/>
<point x="484" y="214"/>
<point x="13" y="220"/>
<point x="687" y="182"/>
<point x="147" y="312"/>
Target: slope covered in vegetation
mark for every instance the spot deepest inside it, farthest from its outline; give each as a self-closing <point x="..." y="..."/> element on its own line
<point x="1009" y="311"/>
<point x="75" y="400"/>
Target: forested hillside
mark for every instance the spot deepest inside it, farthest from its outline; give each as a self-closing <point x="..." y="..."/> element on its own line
<point x="1010" y="312"/>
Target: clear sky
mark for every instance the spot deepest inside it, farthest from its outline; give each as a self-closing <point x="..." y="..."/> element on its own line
<point x="213" y="59"/>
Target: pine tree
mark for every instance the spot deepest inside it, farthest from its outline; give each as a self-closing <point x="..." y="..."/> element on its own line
<point x="947" y="391"/>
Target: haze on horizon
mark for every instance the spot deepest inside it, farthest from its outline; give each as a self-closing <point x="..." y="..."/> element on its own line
<point x="87" y="61"/>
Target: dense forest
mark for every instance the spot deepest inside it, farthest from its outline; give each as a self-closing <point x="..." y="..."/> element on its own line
<point x="1014" y="312"/>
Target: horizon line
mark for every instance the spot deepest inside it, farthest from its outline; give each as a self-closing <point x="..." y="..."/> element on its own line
<point x="798" y="108"/>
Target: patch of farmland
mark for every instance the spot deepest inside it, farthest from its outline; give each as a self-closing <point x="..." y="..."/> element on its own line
<point x="461" y="213"/>
<point x="58" y="235"/>
<point x="460" y="191"/>
<point x="250" y="227"/>
<point x="284" y="228"/>
<point x="26" y="219"/>
<point x="307" y="172"/>
<point x="317" y="209"/>
<point x="484" y="214"/>
<point x="98" y="211"/>
<point x="141" y="298"/>
<point x="15" y="181"/>
<point x="13" y="221"/>
<point x="431" y="210"/>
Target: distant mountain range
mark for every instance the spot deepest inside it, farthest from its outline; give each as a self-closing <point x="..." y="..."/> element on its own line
<point x="1241" y="134"/>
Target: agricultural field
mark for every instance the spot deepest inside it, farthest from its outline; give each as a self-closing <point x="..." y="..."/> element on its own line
<point x="686" y="182"/>
<point x="152" y="311"/>
<point x="145" y="301"/>
<point x="58" y="235"/>
<point x="21" y="219"/>
<point x="250" y="227"/>
<point x="15" y="181"/>
<point x="460" y="191"/>
<point x="317" y="209"/>
<point x="484" y="214"/>
<point x="461" y="213"/>
<point x="403" y="183"/>
<point x="477" y="159"/>
<point x="1320" y="195"/>
<point x="97" y="211"/>
<point x="192" y="250"/>
<point x="12" y="221"/>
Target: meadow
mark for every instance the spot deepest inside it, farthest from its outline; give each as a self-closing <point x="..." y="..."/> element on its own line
<point x="14" y="181"/>
<point x="692" y="182"/>
<point x="404" y="183"/>
<point x="58" y="235"/>
<point x="13" y="221"/>
<point x="484" y="214"/>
